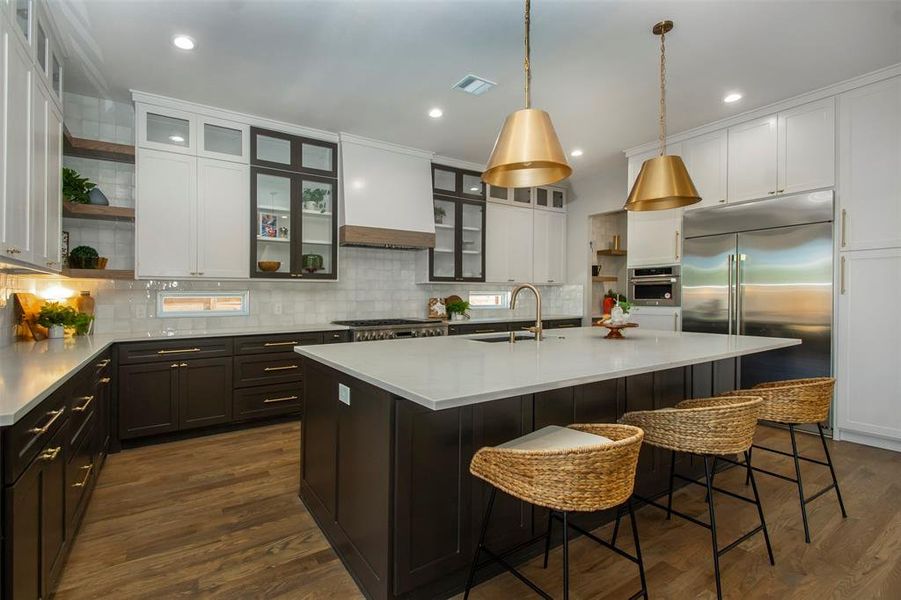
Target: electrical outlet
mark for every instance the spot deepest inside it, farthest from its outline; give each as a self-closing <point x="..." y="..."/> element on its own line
<point x="344" y="394"/>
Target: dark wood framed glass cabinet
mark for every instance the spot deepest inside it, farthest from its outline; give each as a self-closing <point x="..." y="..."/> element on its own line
<point x="294" y="208"/>
<point x="459" y="199"/>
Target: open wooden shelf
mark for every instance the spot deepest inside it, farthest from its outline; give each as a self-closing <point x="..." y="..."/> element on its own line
<point x="99" y="273"/>
<point x="604" y="279"/>
<point x="611" y="252"/>
<point x="83" y="148"/>
<point x="102" y="213"/>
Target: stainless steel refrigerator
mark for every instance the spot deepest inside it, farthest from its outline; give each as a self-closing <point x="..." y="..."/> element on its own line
<point x="764" y="268"/>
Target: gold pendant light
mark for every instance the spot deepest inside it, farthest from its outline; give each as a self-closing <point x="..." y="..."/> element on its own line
<point x="663" y="181"/>
<point x="527" y="152"/>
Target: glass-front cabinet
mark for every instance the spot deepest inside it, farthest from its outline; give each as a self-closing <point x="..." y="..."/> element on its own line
<point x="459" y="201"/>
<point x="294" y="216"/>
<point x="550" y="198"/>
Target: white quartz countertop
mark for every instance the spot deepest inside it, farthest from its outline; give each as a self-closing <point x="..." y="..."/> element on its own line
<point x="511" y="319"/>
<point x="446" y="372"/>
<point x="31" y="371"/>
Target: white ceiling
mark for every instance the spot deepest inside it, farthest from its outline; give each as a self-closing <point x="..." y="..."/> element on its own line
<point x="374" y="68"/>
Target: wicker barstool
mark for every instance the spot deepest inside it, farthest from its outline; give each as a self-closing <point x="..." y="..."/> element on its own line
<point x="795" y="402"/>
<point x="580" y="468"/>
<point x="706" y="427"/>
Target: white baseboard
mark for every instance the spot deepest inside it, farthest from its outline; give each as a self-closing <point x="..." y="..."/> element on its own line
<point x="867" y="440"/>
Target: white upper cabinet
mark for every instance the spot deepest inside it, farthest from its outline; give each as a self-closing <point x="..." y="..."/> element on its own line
<point x="17" y="168"/>
<point x="167" y="129"/>
<point x="869" y="151"/>
<point x="508" y="243"/>
<point x="40" y="107"/>
<point x="223" y="219"/>
<point x="654" y="237"/>
<point x="705" y="158"/>
<point x="807" y="147"/>
<point x="166" y="215"/>
<point x="549" y="197"/>
<point x="752" y="159"/>
<point x="224" y="140"/>
<point x="54" y="188"/>
<point x="549" y="264"/>
<point x="512" y="196"/>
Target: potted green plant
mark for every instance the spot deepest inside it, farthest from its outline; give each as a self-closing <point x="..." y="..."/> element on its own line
<point x="456" y="311"/>
<point x="76" y="188"/>
<point x="82" y="257"/>
<point x="315" y="199"/>
<point x="57" y="317"/>
<point x="440" y="213"/>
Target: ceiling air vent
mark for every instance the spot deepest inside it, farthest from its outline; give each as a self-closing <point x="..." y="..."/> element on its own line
<point x="475" y="85"/>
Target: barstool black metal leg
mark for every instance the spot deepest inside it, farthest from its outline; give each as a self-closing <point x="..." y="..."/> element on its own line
<point x="712" y="511"/>
<point x="619" y="516"/>
<point x="672" y="475"/>
<point x="791" y="431"/>
<point x="475" y="558"/>
<point x="565" y="557"/>
<point x="748" y="475"/>
<point x="766" y="534"/>
<point x="547" y="542"/>
<point x="712" y="476"/>
<point x="838" y="492"/>
<point x="644" y="583"/>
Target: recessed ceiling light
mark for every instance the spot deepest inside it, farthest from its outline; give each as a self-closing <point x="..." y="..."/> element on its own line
<point x="576" y="153"/>
<point x="436" y="113"/>
<point x="177" y="139"/>
<point x="733" y="97"/>
<point x="183" y="42"/>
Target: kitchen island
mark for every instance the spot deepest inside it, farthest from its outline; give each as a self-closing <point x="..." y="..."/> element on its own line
<point x="390" y="427"/>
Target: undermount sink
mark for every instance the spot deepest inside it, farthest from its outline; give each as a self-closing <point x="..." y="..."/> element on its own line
<point x="520" y="337"/>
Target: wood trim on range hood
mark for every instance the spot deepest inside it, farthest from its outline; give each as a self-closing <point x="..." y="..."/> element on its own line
<point x="377" y="237"/>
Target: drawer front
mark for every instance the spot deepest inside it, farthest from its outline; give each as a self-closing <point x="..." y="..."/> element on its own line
<point x="267" y="401"/>
<point x="281" y="367"/>
<point x="24" y="439"/>
<point x="264" y="344"/>
<point x="335" y="337"/>
<point x="80" y="472"/>
<point x="478" y="328"/>
<point x="562" y="323"/>
<point x="157" y="351"/>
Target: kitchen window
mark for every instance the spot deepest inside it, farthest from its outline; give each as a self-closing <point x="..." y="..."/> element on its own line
<point x="489" y="300"/>
<point x="202" y="304"/>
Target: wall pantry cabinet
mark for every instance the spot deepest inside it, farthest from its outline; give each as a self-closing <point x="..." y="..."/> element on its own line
<point x="17" y="171"/>
<point x="549" y="251"/>
<point x="509" y="243"/>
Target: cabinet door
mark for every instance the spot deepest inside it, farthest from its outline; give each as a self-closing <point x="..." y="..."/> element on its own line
<point x="442" y="258"/>
<point x="223" y="140"/>
<point x="223" y="249"/>
<point x="273" y="149"/>
<point x="509" y="243"/>
<point x="549" y="197"/>
<point x="148" y="399"/>
<point x="54" y="188"/>
<point x="16" y="243"/>
<point x="659" y="318"/>
<point x="868" y="348"/>
<point x="318" y="252"/>
<point x="654" y="237"/>
<point x="166" y="129"/>
<point x="807" y="147"/>
<point x="752" y="159"/>
<point x="705" y="159"/>
<point x="165" y="224"/>
<point x="204" y="392"/>
<point x="273" y="196"/>
<point x="549" y="247"/>
<point x="869" y="147"/>
<point x="40" y="105"/>
<point x="471" y="235"/>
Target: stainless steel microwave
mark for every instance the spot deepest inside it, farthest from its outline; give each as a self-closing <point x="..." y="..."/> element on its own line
<point x="654" y="286"/>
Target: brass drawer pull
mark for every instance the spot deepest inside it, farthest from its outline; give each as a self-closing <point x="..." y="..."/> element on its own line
<point x="285" y="368"/>
<point x="87" y="475"/>
<point x="87" y="403"/>
<point x="50" y="454"/>
<point x="54" y="414"/>
<point x="485" y="331"/>
<point x="269" y="344"/>
<point x="178" y="351"/>
<point x="105" y="380"/>
<point x="103" y="363"/>
<point x="282" y="399"/>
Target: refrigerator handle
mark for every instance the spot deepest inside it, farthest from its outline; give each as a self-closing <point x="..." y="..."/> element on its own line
<point x="738" y="260"/>
<point x="729" y="297"/>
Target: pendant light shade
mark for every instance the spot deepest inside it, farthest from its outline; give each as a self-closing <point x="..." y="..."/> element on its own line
<point x="527" y="152"/>
<point x="663" y="181"/>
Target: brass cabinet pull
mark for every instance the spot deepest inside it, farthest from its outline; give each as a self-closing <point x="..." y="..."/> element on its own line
<point x="779" y="191"/>
<point x="173" y="366"/>
<point x="105" y="380"/>
<point x="844" y="222"/>
<point x="50" y="454"/>
<point x="678" y="249"/>
<point x="178" y="351"/>
<point x="282" y="399"/>
<point x="183" y="365"/>
<point x="103" y="363"/>
<point x="268" y="344"/>
<point x="54" y="415"/>
<point x="485" y="331"/>
<point x="285" y="368"/>
<point x="87" y="475"/>
<point x="841" y="276"/>
<point x="87" y="403"/>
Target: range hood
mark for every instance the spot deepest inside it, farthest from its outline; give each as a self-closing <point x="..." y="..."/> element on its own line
<point x="386" y="195"/>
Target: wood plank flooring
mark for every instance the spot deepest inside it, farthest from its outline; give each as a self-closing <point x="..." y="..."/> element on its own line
<point x="219" y="517"/>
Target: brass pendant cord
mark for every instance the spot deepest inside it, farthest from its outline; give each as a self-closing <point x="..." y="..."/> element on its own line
<point x="527" y="64"/>
<point x="662" y="134"/>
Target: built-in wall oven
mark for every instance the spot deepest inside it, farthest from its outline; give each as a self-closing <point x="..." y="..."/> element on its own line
<point x="654" y="286"/>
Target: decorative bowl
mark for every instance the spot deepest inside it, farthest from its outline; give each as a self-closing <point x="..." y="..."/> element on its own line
<point x="269" y="265"/>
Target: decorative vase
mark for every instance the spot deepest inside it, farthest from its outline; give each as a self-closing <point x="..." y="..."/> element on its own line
<point x="55" y="332"/>
<point x="97" y="197"/>
<point x="617" y="315"/>
<point x="457" y="317"/>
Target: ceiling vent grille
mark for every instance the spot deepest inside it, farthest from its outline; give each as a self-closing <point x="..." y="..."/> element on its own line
<point x="475" y="85"/>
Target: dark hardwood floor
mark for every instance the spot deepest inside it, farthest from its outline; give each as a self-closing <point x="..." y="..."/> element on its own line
<point x="219" y="517"/>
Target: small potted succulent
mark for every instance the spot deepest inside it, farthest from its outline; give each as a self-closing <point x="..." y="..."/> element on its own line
<point x="58" y="317"/>
<point x="83" y="257"/>
<point x="457" y="311"/>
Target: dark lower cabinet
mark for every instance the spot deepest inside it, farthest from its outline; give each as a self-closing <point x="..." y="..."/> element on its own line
<point x="148" y="399"/>
<point x="204" y="392"/>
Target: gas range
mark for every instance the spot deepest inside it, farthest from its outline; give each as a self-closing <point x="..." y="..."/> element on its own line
<point x="388" y="329"/>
